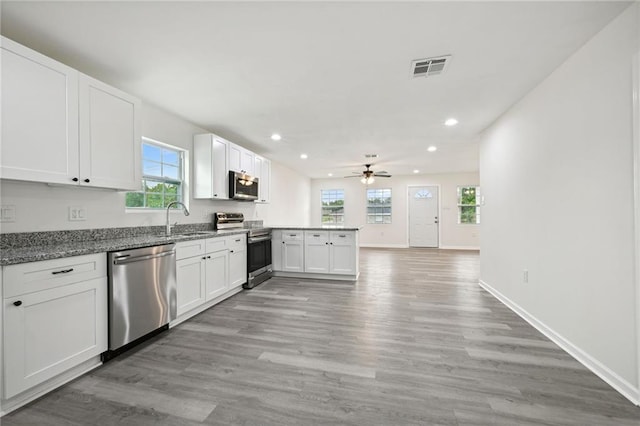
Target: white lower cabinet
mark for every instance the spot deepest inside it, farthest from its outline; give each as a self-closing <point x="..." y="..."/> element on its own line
<point x="190" y="277"/>
<point x="54" y="318"/>
<point x="208" y="269"/>
<point x="316" y="252"/>
<point x="237" y="260"/>
<point x="292" y="251"/>
<point x="343" y="253"/>
<point x="217" y="276"/>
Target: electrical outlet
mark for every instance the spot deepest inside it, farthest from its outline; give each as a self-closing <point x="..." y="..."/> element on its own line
<point x="525" y="276"/>
<point x="77" y="213"/>
<point x="7" y="213"/>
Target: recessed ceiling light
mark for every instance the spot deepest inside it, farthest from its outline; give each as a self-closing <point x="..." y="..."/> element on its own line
<point x="432" y="149"/>
<point x="416" y="171"/>
<point x="276" y="137"/>
<point x="451" y="122"/>
<point x="304" y="156"/>
<point x="330" y="174"/>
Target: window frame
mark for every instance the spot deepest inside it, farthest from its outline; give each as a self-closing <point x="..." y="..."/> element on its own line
<point x="379" y="193"/>
<point x="335" y="216"/>
<point x="182" y="181"/>
<point x="462" y="205"/>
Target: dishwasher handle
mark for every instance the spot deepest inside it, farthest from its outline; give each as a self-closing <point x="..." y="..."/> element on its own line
<point x="126" y="259"/>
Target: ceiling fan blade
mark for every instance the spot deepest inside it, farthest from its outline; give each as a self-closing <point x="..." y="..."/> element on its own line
<point x="384" y="172"/>
<point x="354" y="176"/>
<point x="381" y="175"/>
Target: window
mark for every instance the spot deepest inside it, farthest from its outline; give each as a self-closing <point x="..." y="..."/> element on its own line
<point x="332" y="206"/>
<point x="468" y="204"/>
<point x="162" y="177"/>
<point x="378" y="205"/>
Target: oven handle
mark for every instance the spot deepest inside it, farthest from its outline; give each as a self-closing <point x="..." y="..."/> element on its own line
<point x="258" y="239"/>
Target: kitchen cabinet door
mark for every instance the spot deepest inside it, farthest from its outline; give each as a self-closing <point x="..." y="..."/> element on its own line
<point x="292" y="250"/>
<point x="50" y="331"/>
<point x="190" y="278"/>
<point x="217" y="273"/>
<point x="262" y="171"/>
<point x="110" y="136"/>
<point x="342" y="253"/>
<point x="237" y="261"/>
<point x="210" y="169"/>
<point x="316" y="252"/>
<point x="241" y="159"/>
<point x="39" y="117"/>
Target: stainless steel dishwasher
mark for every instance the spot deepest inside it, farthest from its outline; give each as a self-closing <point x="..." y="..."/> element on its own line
<point x="142" y="294"/>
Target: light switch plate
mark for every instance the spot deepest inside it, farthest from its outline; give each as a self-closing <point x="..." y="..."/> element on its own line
<point x="77" y="213"/>
<point x="7" y="213"/>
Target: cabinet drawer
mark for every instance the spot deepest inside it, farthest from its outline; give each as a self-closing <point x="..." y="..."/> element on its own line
<point x="216" y="244"/>
<point x="342" y="237"/>
<point x="292" y="235"/>
<point x="192" y="248"/>
<point x="237" y="242"/>
<point x="316" y="236"/>
<point x="35" y="276"/>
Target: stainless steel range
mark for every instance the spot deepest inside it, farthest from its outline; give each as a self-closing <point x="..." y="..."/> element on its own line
<point x="259" y="266"/>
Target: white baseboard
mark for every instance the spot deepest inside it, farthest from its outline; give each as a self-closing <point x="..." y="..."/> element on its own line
<point x="614" y="380"/>
<point x="368" y="245"/>
<point x="460" y="248"/>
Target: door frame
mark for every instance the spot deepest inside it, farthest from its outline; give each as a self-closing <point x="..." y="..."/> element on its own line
<point x="408" y="230"/>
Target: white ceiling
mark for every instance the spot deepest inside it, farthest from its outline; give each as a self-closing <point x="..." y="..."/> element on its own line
<point x="332" y="77"/>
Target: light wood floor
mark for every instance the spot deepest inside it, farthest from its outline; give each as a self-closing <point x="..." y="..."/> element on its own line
<point x="415" y="341"/>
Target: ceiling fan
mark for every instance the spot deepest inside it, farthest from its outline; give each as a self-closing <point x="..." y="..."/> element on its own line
<point x="367" y="175"/>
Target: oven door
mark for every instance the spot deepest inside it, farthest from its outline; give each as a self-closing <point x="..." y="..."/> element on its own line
<point x="258" y="254"/>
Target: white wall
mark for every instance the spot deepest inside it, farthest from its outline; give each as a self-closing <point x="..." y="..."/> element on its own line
<point x="557" y="174"/>
<point x="40" y="207"/>
<point x="452" y="234"/>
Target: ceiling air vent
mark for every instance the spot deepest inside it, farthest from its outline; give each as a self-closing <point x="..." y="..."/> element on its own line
<point x="430" y="66"/>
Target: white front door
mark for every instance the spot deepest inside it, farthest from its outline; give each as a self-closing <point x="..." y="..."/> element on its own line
<point x="423" y="216"/>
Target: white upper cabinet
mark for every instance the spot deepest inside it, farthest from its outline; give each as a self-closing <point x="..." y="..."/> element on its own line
<point x="109" y="136"/>
<point x="210" y="170"/>
<point x="241" y="159"/>
<point x="62" y="127"/>
<point x="262" y="171"/>
<point x="39" y="117"/>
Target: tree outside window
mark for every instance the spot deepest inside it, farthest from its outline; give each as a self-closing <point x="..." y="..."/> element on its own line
<point x="332" y="206"/>
<point x="162" y="177"/>
<point x="379" y="206"/>
<point x="469" y="205"/>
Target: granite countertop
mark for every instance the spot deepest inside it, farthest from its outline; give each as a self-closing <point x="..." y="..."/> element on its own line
<point x="56" y="250"/>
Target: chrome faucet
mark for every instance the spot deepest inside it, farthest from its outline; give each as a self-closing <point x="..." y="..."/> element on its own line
<point x="184" y="210"/>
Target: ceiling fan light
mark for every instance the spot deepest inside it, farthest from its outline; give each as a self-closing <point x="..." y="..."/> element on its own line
<point x="367" y="180"/>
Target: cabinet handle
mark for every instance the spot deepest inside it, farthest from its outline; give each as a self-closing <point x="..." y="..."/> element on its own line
<point x="342" y="236"/>
<point x="238" y="240"/>
<point x="87" y="180"/>
<point x="231" y="251"/>
<point x="208" y="257"/>
<point x="316" y="235"/>
<point x="17" y="303"/>
<point x="204" y="257"/>
<point x="75" y="179"/>
<point x="327" y="243"/>
<point x="64" y="271"/>
<point x="215" y="195"/>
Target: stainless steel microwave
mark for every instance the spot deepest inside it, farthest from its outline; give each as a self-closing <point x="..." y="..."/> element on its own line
<point x="242" y="186"/>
